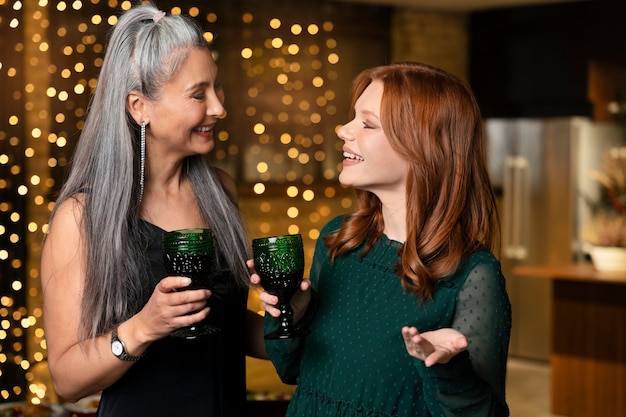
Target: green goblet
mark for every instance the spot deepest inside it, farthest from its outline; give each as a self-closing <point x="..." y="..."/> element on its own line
<point x="191" y="253"/>
<point x="279" y="261"/>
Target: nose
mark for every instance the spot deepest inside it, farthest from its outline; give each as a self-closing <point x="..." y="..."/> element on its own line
<point x="344" y="132"/>
<point x="215" y="105"/>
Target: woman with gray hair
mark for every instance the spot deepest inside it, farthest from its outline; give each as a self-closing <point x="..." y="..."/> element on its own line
<point x="140" y="169"/>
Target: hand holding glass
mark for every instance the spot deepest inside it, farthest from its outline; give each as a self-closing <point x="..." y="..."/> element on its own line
<point x="279" y="262"/>
<point x="191" y="253"/>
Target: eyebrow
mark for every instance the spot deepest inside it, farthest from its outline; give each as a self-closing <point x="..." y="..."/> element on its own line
<point x="195" y="86"/>
<point x="369" y="113"/>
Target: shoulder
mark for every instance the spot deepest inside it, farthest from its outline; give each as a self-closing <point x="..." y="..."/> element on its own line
<point x="481" y="273"/>
<point x="482" y="258"/>
<point x="333" y="225"/>
<point x="481" y="265"/>
<point x="63" y="241"/>
<point x="68" y="212"/>
<point x="481" y="286"/>
<point x="328" y="229"/>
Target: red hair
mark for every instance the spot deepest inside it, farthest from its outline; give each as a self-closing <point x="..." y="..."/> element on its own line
<point x="433" y="120"/>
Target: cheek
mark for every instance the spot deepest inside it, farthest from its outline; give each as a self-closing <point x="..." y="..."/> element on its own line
<point x="190" y="114"/>
<point x="388" y="157"/>
<point x="379" y="148"/>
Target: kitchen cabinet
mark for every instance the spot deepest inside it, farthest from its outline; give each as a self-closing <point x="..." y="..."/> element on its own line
<point x="588" y="347"/>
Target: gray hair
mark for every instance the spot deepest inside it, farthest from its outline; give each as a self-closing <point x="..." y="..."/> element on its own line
<point x="142" y="55"/>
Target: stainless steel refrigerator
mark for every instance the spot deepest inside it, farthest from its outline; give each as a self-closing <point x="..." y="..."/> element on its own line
<point x="539" y="168"/>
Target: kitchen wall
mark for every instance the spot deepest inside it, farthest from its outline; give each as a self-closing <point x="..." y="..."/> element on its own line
<point x="564" y="59"/>
<point x="537" y="61"/>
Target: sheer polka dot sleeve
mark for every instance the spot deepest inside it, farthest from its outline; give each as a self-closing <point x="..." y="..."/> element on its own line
<point x="472" y="383"/>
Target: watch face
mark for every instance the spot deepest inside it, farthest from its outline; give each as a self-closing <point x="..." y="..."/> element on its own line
<point x="117" y="348"/>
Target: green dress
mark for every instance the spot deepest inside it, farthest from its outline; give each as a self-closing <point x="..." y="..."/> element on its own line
<point x="354" y="361"/>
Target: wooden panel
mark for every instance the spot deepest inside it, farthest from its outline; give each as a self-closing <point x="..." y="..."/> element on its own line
<point x="589" y="349"/>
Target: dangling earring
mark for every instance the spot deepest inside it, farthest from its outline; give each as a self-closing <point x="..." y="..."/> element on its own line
<point x="142" y="159"/>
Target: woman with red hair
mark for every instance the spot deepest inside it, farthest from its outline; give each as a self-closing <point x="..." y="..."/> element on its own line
<point x="406" y="305"/>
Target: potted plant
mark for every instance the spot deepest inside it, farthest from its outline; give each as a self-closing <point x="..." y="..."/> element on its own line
<point x="606" y="230"/>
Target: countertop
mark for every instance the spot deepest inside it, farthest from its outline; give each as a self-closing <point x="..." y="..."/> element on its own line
<point x="571" y="272"/>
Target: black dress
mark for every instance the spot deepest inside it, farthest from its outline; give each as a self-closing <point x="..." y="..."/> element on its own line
<point x="204" y="377"/>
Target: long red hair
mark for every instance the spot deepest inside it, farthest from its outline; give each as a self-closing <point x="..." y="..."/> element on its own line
<point x="433" y="120"/>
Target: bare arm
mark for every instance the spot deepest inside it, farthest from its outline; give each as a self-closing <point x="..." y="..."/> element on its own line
<point x="81" y="369"/>
<point x="76" y="370"/>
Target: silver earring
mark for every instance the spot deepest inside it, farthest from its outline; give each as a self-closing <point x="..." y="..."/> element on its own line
<point x="142" y="159"/>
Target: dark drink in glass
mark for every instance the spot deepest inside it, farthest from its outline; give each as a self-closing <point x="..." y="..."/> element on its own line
<point x="191" y="253"/>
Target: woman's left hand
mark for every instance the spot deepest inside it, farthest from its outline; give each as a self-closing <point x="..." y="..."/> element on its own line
<point x="436" y="346"/>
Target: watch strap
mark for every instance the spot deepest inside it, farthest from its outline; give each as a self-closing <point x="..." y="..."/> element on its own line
<point x="123" y="355"/>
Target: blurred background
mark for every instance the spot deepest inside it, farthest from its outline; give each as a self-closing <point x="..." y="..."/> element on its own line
<point x="286" y="66"/>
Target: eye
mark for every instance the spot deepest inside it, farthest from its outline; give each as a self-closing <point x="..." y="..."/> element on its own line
<point x="367" y="126"/>
<point x="199" y="96"/>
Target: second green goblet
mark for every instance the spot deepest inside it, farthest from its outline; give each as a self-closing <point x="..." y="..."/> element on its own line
<point x="279" y="261"/>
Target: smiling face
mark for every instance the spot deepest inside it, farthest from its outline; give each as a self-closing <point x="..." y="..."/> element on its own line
<point x="182" y="119"/>
<point x="370" y="163"/>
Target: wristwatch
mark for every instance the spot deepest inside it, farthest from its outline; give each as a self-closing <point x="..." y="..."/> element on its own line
<point x="119" y="350"/>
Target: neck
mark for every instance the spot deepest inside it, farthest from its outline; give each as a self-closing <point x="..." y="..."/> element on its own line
<point x="394" y="216"/>
<point x="165" y="177"/>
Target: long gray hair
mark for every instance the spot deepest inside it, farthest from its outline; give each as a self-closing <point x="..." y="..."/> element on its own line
<point x="142" y="55"/>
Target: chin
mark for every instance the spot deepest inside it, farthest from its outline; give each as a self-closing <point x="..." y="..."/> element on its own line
<point x="343" y="180"/>
<point x="207" y="148"/>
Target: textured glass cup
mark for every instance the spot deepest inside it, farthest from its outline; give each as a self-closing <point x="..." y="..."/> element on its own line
<point x="279" y="261"/>
<point x="191" y="253"/>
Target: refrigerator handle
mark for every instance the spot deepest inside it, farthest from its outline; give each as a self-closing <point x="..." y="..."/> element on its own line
<point x="516" y="194"/>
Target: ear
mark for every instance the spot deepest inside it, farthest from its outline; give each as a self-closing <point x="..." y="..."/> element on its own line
<point x="137" y="106"/>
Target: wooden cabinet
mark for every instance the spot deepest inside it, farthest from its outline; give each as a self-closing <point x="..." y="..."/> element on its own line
<point x="588" y="355"/>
